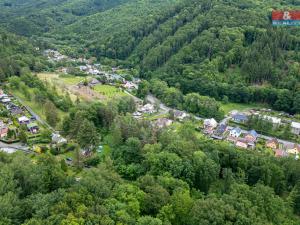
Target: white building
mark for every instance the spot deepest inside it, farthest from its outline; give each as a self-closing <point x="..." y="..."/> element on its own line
<point x="23" y="120"/>
<point x="212" y="123"/>
<point x="57" y="139"/>
<point x="295" y="128"/>
<point x="274" y="120"/>
<point x="148" y="108"/>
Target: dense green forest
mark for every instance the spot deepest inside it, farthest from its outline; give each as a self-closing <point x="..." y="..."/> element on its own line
<point x="18" y="56"/>
<point x="35" y="17"/>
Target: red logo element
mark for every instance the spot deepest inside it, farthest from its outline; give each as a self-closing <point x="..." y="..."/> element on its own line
<point x="286" y="15"/>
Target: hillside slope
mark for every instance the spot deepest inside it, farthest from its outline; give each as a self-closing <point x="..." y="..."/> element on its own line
<point x="35" y="17"/>
<point x="224" y="49"/>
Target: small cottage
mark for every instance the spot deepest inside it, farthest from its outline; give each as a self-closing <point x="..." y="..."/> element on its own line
<point x="240" y="118"/>
<point x="23" y="120"/>
<point x="251" y="136"/>
<point x="235" y="132"/>
<point x="273" y="143"/>
<point x="295" y="128"/>
<point x="292" y="148"/>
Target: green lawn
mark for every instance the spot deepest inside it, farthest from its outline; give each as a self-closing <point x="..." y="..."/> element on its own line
<point x="66" y="79"/>
<point x="239" y="106"/>
<point x="70" y="79"/>
<point x="109" y="91"/>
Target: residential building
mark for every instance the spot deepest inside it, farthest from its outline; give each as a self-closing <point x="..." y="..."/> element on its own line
<point x="295" y="128"/>
<point x="280" y="153"/>
<point x="130" y="85"/>
<point x="274" y="120"/>
<point x="180" y="115"/>
<point x="219" y="133"/>
<point x="292" y="148"/>
<point x="148" y="108"/>
<point x="251" y="136"/>
<point x="3" y="131"/>
<point x="212" y="123"/>
<point x="58" y="139"/>
<point x="235" y="132"/>
<point x="23" y="120"/>
<point x="241" y="143"/>
<point x="33" y="128"/>
<point x="273" y="143"/>
<point x="240" y="118"/>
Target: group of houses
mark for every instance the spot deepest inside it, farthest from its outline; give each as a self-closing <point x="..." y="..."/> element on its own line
<point x="18" y="113"/>
<point x="247" y="139"/>
<point x="276" y="121"/>
<point x="30" y="123"/>
<point x="283" y="149"/>
<point x="234" y="135"/>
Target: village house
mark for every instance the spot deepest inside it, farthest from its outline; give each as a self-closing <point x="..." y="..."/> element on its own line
<point x="240" y="118"/>
<point x="130" y="85"/>
<point x="180" y="115"/>
<point x="16" y="111"/>
<point x="58" y="139"/>
<point x="273" y="143"/>
<point x="292" y="148"/>
<point x="209" y="125"/>
<point x="33" y="128"/>
<point x="251" y="136"/>
<point x="241" y="143"/>
<point x="295" y="128"/>
<point x="219" y="133"/>
<point x="280" y="153"/>
<point x="235" y="132"/>
<point x="274" y="120"/>
<point x="148" y="108"/>
<point x="3" y="131"/>
<point x="163" y="122"/>
<point x="23" y="120"/>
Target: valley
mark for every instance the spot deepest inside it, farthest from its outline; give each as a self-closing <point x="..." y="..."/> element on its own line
<point x="149" y="112"/>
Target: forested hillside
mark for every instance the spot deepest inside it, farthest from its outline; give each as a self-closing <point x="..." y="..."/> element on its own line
<point x="216" y="48"/>
<point x="35" y="17"/>
<point x="18" y="56"/>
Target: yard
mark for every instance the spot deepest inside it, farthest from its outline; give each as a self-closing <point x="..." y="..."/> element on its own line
<point x="66" y="82"/>
<point x="239" y="106"/>
<point x="55" y="78"/>
<point x="109" y="91"/>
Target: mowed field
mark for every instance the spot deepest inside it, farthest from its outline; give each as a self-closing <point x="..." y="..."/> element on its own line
<point x="109" y="91"/>
<point x="68" y="83"/>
